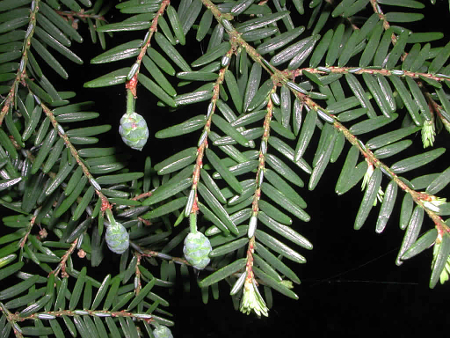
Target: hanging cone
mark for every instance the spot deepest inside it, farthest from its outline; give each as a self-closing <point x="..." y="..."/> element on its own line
<point x="162" y="332"/>
<point x="196" y="250"/>
<point x="117" y="238"/>
<point x="134" y="130"/>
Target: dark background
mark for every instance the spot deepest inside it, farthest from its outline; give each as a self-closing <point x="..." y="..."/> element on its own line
<point x="350" y="284"/>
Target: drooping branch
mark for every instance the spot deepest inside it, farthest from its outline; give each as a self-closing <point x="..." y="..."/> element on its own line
<point x="250" y="280"/>
<point x="203" y="141"/>
<point x="285" y="78"/>
<point x="418" y="197"/>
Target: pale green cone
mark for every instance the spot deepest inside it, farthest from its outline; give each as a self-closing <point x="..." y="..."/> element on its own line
<point x="117" y="238"/>
<point x="196" y="250"/>
<point x="162" y="332"/>
<point x="134" y="130"/>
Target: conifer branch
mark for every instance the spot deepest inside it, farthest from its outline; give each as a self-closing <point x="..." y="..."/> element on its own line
<point x="134" y="71"/>
<point x="283" y="77"/>
<point x="74" y="152"/>
<point x="241" y="34"/>
<point x="203" y="141"/>
<point x="11" y="99"/>
<point x="260" y="171"/>
<point x="418" y="197"/>
<point x="23" y="241"/>
<point x="85" y="312"/>
<point x="250" y="279"/>
<point x="82" y="15"/>
<point x="11" y="321"/>
<point x="376" y="8"/>
<point x="62" y="264"/>
<point x="359" y="70"/>
<point x="435" y="107"/>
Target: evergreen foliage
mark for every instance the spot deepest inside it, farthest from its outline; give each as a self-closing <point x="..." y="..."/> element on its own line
<point x="270" y="103"/>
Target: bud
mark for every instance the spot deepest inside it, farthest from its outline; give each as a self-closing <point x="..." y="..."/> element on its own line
<point x="134" y="130"/>
<point x="444" y="276"/>
<point x="433" y="203"/>
<point x="286" y="283"/>
<point x="366" y="180"/>
<point x="446" y="124"/>
<point x="196" y="250"/>
<point x="428" y="133"/>
<point x="253" y="301"/>
<point x="117" y="238"/>
<point x="367" y="175"/>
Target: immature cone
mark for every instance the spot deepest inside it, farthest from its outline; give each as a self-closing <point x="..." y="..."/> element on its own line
<point x="196" y="250"/>
<point x="117" y="238"/>
<point x="134" y="130"/>
<point x="162" y="332"/>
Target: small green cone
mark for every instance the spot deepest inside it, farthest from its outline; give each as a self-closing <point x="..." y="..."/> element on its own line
<point x="196" y="250"/>
<point x="134" y="130"/>
<point x="117" y="238"/>
<point x="162" y="332"/>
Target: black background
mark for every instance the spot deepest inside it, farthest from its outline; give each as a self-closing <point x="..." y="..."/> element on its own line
<point x="350" y="284"/>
